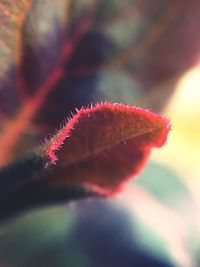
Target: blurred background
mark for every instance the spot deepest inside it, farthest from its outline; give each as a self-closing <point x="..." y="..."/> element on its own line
<point x="59" y="55"/>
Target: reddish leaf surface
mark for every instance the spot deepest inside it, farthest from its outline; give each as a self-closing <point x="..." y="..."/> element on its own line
<point x="58" y="55"/>
<point x="102" y="147"/>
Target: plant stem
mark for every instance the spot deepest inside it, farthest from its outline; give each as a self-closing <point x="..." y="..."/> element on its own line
<point x="22" y="188"/>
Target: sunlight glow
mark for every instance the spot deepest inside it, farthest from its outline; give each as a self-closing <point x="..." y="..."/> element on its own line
<point x="187" y="96"/>
<point x="182" y="151"/>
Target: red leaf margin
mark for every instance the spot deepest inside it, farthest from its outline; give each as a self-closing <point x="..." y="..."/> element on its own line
<point x="101" y="138"/>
